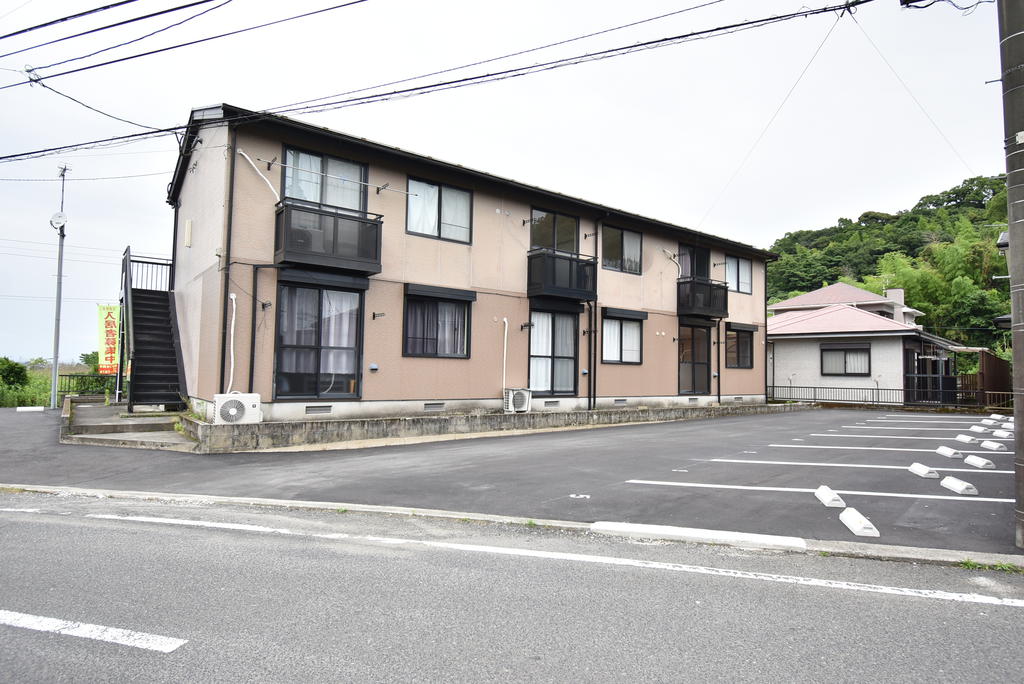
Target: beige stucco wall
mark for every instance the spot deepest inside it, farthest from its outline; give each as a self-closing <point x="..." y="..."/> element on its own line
<point x="199" y="238"/>
<point x="494" y="266"/>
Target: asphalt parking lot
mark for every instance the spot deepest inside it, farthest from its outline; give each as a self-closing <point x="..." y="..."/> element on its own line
<point x="747" y="474"/>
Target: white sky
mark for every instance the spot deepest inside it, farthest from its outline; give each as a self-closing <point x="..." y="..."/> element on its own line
<point x="657" y="132"/>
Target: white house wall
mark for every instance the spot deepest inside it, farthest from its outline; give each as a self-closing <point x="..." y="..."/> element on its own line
<point x="798" y="363"/>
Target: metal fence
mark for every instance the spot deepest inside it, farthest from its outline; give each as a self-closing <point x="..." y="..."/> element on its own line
<point x="891" y="397"/>
<point x="86" y="384"/>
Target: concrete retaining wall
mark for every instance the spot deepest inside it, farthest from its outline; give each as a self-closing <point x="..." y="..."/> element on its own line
<point x="230" y="438"/>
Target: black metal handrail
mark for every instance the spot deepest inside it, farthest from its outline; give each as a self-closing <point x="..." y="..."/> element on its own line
<point x="556" y="273"/>
<point x="890" y="396"/>
<point x="86" y="384"/>
<point x="700" y="296"/>
<point x="124" y="363"/>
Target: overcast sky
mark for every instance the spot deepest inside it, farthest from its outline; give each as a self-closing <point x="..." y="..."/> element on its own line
<point x="663" y="133"/>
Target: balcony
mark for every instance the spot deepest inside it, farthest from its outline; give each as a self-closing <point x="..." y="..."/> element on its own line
<point x="552" y="273"/>
<point x="322" y="235"/>
<point x="702" y="297"/>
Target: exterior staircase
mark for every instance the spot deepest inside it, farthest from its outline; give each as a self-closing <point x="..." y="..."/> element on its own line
<point x="154" y="363"/>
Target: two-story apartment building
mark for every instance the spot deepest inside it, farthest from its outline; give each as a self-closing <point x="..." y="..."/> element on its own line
<point x="338" y="277"/>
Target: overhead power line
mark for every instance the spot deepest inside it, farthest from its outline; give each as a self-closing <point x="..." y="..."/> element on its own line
<point x="104" y="28"/>
<point x="67" y="18"/>
<point x="98" y="111"/>
<point x="53" y="180"/>
<point x="451" y="84"/>
<point x="181" y="45"/>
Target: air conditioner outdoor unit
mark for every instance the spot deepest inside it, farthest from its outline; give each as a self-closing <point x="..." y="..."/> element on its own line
<point x="236" y="408"/>
<point x="517" y="400"/>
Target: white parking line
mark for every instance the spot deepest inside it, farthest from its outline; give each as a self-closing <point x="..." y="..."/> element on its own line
<point x="884" y="427"/>
<point x="802" y="490"/>
<point x="930" y="415"/>
<point x="852" y="465"/>
<point x="611" y="560"/>
<point x="858" y="448"/>
<point x="945" y="439"/>
<point x="114" y="635"/>
<point x="955" y="422"/>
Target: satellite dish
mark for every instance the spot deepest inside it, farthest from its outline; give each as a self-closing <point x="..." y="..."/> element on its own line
<point x="58" y="220"/>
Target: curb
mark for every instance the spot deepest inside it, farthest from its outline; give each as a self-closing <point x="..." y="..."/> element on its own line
<point x="743" y="540"/>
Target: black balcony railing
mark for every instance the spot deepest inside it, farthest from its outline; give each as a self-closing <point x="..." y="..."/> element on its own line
<point x="702" y="297"/>
<point x="322" y="235"/>
<point x="561" y="274"/>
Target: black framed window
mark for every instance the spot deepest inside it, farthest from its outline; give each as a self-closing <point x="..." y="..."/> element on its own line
<point x="554" y="231"/>
<point x="694" y="262"/>
<point x="440" y="211"/>
<point x="739" y="348"/>
<point x="621" y="341"/>
<point x="846" y="359"/>
<point x="318" y="342"/>
<point x="553" y="352"/>
<point x="694" y="360"/>
<point x="436" y="327"/>
<point x="738" y="273"/>
<point x="324" y="180"/>
<point x="621" y="250"/>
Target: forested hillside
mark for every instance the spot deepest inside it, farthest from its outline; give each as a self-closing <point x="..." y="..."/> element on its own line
<point x="942" y="252"/>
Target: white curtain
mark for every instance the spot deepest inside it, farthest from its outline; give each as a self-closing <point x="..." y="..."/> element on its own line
<point x="630" y="251"/>
<point x="540" y="346"/>
<point x="343" y="187"/>
<point x="744" y="269"/>
<point x="832" y="362"/>
<point x="564" y="375"/>
<point x="302" y="176"/>
<point x="732" y="272"/>
<point x="610" y="350"/>
<point x="631" y="341"/>
<point x="858" y="361"/>
<point x="338" y="329"/>
<point x="451" y="329"/>
<point x="455" y="214"/>
<point x="422" y="208"/>
<point x="565" y="335"/>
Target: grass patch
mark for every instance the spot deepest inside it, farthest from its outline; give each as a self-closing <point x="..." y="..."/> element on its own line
<point x="35" y="393"/>
<point x="341" y="510"/>
<point x="530" y="523"/>
<point x="13" y="490"/>
<point x="1012" y="568"/>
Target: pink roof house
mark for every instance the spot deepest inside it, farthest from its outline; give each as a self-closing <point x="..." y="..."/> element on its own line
<point x="842" y="343"/>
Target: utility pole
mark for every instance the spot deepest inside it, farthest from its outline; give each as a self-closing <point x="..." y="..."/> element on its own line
<point x="58" y="222"/>
<point x="1011" y="54"/>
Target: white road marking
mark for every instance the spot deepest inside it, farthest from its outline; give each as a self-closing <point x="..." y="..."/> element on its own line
<point x="883" y="427"/>
<point x="114" y="635"/>
<point x="803" y="490"/>
<point x="854" y="465"/>
<point x="19" y="510"/>
<point x="934" y="422"/>
<point x="929" y="415"/>
<point x="857" y="448"/>
<point x="891" y="437"/>
<point x="579" y="496"/>
<point x="615" y="561"/>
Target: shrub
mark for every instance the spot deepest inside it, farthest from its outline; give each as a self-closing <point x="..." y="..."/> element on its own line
<point x="12" y="373"/>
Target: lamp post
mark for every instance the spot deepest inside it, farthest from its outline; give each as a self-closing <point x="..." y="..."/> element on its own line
<point x="58" y="221"/>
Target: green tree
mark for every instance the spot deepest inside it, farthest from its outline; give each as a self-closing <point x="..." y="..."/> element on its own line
<point x="92" y="360"/>
<point x="12" y="373"/>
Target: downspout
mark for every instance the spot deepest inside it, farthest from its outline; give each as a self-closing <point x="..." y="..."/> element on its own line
<point x="227" y="257"/>
<point x="591" y="401"/>
<point x="504" y="356"/>
<point x="718" y="360"/>
<point x="174" y="247"/>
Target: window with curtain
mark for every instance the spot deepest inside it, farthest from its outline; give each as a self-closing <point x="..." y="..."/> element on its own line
<point x="839" y="360"/>
<point x="318" y="342"/>
<point x="439" y="211"/>
<point x="694" y="262"/>
<point x="739" y="349"/>
<point x="620" y="250"/>
<point x="553" y="352"/>
<point x="621" y="341"/>
<point x="738" y="273"/>
<point x="324" y="180"/>
<point x="436" y="327"/>
<point x="552" y="230"/>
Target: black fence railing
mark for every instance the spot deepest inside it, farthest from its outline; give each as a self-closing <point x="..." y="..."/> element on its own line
<point x="561" y="274"/>
<point x="889" y="396"/>
<point x="702" y="297"/>
<point x="322" y="235"/>
<point x="86" y="384"/>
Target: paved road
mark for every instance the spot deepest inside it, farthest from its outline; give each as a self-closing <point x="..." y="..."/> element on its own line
<point x="350" y="597"/>
<point x="599" y="474"/>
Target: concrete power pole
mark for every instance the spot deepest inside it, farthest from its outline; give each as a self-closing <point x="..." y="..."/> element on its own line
<point x="58" y="221"/>
<point x="1011" y="53"/>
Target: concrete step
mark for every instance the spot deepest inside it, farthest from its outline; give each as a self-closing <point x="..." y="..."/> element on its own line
<point x="166" y="440"/>
<point x="125" y="425"/>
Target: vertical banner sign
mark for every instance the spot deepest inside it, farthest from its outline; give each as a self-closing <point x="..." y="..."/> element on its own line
<point x="110" y="328"/>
